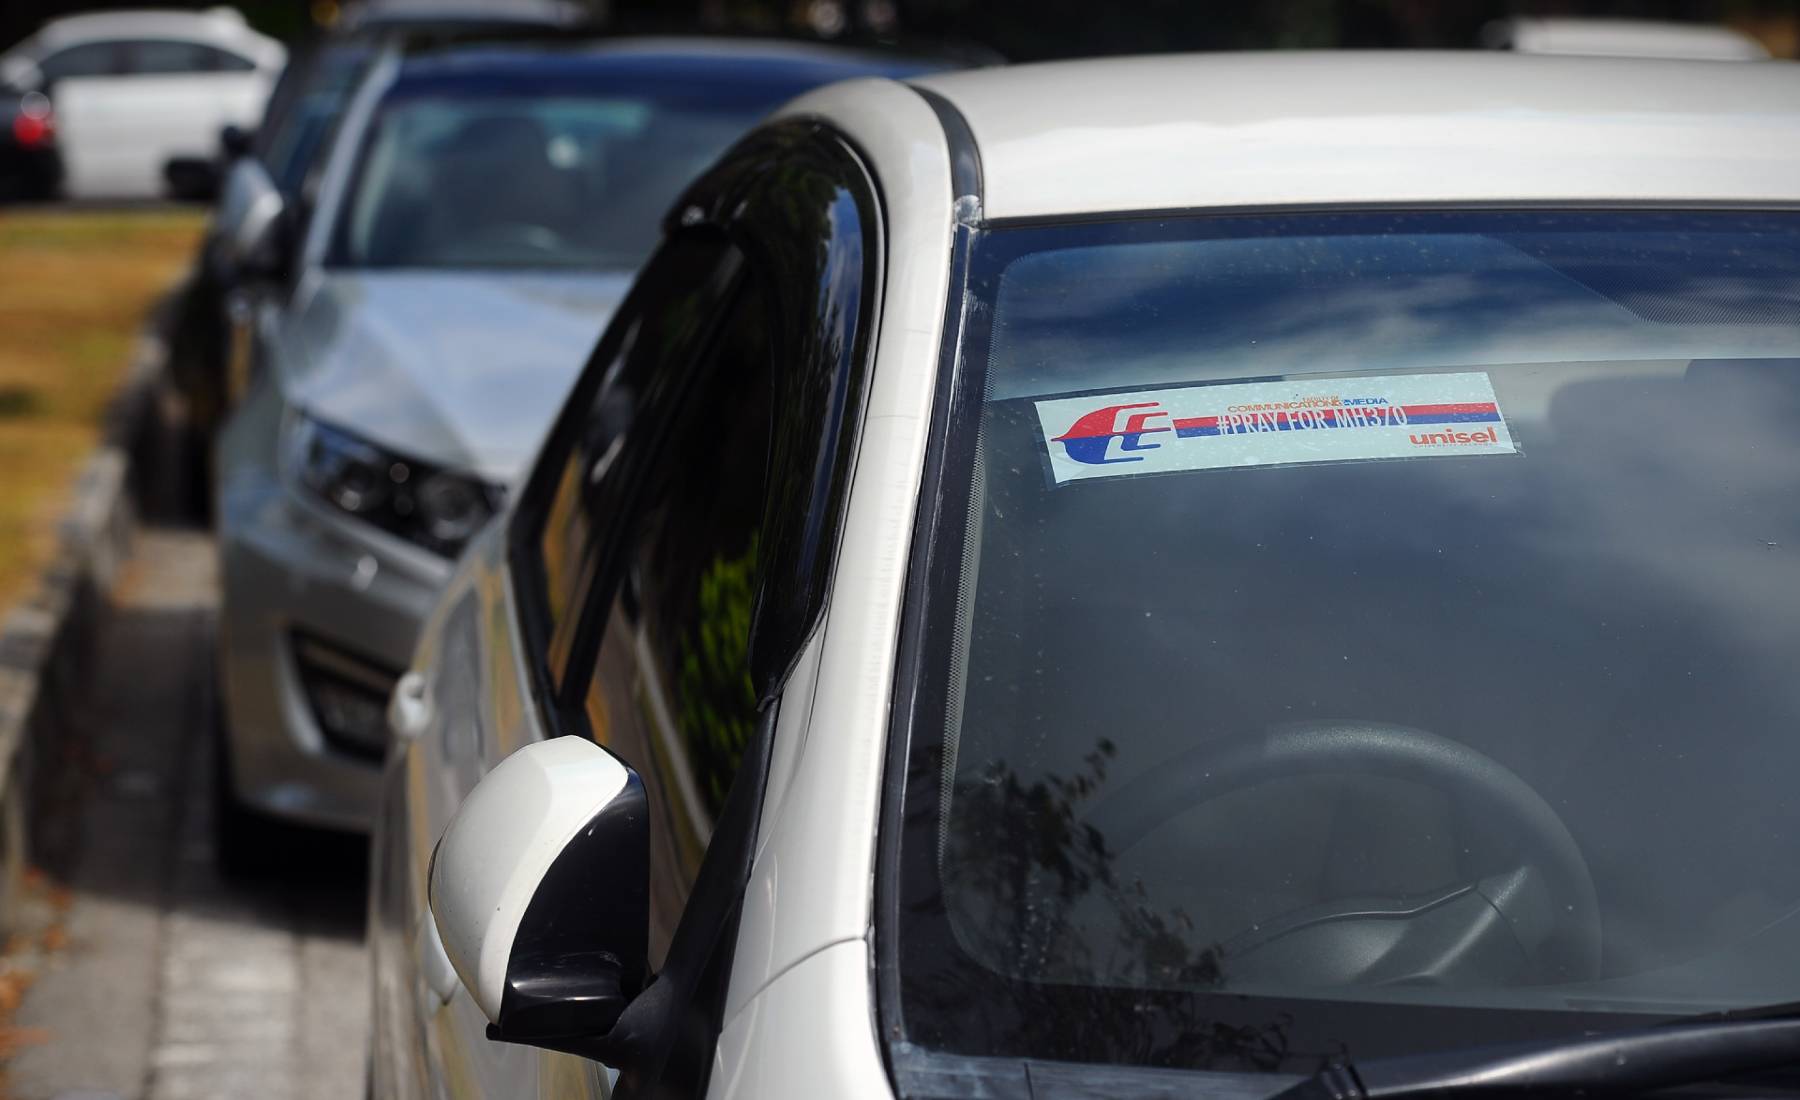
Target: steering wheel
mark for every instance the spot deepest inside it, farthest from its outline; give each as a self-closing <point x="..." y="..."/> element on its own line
<point x="1534" y="921"/>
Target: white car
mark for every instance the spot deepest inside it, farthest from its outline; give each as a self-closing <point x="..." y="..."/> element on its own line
<point x="133" y="90"/>
<point x="1152" y="578"/>
<point x="1575" y="37"/>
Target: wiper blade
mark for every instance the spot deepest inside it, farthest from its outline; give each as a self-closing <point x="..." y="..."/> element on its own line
<point x="1617" y="1063"/>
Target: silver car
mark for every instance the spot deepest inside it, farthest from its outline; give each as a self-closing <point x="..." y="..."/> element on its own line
<point x="478" y="218"/>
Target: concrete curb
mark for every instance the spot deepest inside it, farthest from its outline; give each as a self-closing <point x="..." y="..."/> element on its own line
<point x="47" y="641"/>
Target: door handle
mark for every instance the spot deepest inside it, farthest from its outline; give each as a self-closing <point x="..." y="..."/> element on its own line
<point x="409" y="710"/>
<point x="435" y="972"/>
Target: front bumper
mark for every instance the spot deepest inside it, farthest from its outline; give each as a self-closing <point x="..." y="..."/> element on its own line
<point x="310" y="597"/>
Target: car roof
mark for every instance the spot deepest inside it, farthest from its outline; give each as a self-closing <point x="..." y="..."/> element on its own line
<point x="219" y="24"/>
<point x="1361" y="128"/>
<point x="369" y="14"/>
<point x="1622" y="38"/>
<point x="751" y="61"/>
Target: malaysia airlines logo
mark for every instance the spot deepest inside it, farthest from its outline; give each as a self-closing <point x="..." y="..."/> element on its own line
<point x="1256" y="424"/>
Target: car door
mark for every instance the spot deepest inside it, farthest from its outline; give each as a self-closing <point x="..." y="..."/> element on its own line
<point x="79" y="80"/>
<point x="477" y="715"/>
<point x="166" y="97"/>
<point x="691" y="487"/>
<point x="712" y="501"/>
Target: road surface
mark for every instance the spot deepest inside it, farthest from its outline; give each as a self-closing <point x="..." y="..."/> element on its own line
<point x="166" y="982"/>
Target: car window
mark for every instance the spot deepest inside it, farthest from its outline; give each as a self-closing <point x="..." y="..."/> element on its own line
<point x="87" y="59"/>
<point x="166" y="57"/>
<point x="563" y="180"/>
<point x="224" y="61"/>
<point x="294" y="132"/>
<point x="688" y="482"/>
<point x="564" y="519"/>
<point x="1316" y="568"/>
<point x="671" y="689"/>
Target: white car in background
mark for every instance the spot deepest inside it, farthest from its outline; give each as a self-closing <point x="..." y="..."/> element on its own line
<point x="132" y="90"/>
<point x="1570" y="36"/>
<point x="1144" y="578"/>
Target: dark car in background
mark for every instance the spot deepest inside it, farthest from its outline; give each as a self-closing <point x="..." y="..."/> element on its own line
<point x="30" y="167"/>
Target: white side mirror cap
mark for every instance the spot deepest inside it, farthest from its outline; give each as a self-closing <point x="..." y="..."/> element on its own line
<point x="539" y="889"/>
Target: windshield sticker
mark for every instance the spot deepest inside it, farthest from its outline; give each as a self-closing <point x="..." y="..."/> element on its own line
<point x="1272" y="423"/>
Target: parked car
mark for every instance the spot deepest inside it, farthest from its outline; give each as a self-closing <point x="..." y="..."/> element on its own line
<point x="481" y="212"/>
<point x="133" y="90"/>
<point x="1576" y="37"/>
<point x="1072" y="581"/>
<point x="436" y="15"/>
<point x="284" y="153"/>
<point x="29" y="165"/>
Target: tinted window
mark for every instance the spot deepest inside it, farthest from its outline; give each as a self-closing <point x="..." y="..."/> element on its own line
<point x="671" y="690"/>
<point x="694" y="556"/>
<point x="295" y="130"/>
<point x="160" y="57"/>
<point x="581" y="478"/>
<point x="551" y="181"/>
<point x="224" y="61"/>
<point x="89" y="59"/>
<point x="1323" y="576"/>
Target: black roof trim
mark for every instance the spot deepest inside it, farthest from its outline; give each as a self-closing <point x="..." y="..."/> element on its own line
<point x="965" y="157"/>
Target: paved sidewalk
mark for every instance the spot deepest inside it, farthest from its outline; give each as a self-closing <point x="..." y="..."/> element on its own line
<point x="176" y="985"/>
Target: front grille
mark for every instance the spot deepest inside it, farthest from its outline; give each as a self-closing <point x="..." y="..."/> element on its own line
<point x="348" y="695"/>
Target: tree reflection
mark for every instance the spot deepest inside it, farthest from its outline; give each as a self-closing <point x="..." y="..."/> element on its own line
<point x="717" y="699"/>
<point x="1031" y="891"/>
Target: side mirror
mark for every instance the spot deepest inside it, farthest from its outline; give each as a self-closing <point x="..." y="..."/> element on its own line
<point x="235" y="141"/>
<point x="252" y="226"/>
<point x="540" y="889"/>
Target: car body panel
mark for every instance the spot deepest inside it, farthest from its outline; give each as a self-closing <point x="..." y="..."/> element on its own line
<point x="290" y="563"/>
<point x="221" y="27"/>
<point x="118" y="133"/>
<point x="476" y="687"/>
<point x="368" y="353"/>
<point x="762" y="1054"/>
<point x="463" y="369"/>
<point x="1156" y="133"/>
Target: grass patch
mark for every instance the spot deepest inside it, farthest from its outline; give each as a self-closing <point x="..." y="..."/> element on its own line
<point x="74" y="288"/>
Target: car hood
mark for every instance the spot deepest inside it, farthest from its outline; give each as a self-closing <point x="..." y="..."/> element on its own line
<point x="459" y="369"/>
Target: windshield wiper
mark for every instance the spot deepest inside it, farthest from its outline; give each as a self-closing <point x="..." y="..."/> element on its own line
<point x="1615" y="1063"/>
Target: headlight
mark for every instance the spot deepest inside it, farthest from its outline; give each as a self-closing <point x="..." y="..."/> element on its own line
<point x="433" y="508"/>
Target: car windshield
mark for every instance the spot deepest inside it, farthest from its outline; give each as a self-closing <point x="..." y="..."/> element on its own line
<point x="531" y="181"/>
<point x="1364" y="632"/>
<point x="296" y="133"/>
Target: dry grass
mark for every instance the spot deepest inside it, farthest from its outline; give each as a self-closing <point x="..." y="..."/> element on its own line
<point x="74" y="287"/>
